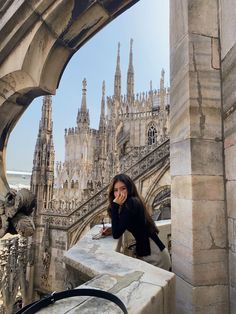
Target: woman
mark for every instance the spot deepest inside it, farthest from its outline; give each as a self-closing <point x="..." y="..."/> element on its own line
<point x="128" y="212"/>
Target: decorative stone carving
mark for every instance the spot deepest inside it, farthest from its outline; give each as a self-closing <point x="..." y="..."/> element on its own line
<point x="23" y="225"/>
<point x="13" y="264"/>
<point x="16" y="208"/>
<point x="46" y="258"/>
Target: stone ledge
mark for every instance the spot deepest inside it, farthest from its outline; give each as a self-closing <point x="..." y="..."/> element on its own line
<point x="142" y="287"/>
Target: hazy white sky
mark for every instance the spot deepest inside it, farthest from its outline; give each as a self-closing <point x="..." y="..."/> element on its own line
<point x="147" y="22"/>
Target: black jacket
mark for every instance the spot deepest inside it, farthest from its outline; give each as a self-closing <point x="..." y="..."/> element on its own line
<point x="132" y="218"/>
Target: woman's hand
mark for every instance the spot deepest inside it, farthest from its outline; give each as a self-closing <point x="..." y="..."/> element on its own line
<point x="120" y="199"/>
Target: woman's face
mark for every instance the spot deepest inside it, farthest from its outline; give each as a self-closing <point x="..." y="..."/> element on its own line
<point x="120" y="188"/>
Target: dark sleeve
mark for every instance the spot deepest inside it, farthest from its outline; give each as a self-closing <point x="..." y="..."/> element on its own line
<point x="119" y="221"/>
<point x="158" y="241"/>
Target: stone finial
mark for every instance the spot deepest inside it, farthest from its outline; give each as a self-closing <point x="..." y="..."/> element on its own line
<point x="117" y="80"/>
<point x="84" y="83"/>
<point x="84" y="90"/>
<point x="130" y="74"/>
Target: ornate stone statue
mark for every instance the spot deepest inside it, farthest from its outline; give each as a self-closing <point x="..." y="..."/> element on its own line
<point x="16" y="209"/>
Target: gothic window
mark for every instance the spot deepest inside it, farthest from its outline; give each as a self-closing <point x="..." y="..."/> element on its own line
<point x="72" y="184"/>
<point x="152" y="135"/>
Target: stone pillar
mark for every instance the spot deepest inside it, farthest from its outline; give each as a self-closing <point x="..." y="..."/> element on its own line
<point x="199" y="233"/>
<point x="228" y="57"/>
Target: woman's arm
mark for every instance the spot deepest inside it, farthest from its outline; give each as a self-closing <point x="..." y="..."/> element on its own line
<point x="119" y="221"/>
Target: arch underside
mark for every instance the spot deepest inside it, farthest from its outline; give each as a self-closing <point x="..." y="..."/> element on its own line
<point x="37" y="40"/>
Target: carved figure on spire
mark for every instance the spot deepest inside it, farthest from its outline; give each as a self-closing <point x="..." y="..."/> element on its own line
<point x="102" y="115"/>
<point x="117" y="81"/>
<point x="162" y="80"/>
<point x="130" y="75"/>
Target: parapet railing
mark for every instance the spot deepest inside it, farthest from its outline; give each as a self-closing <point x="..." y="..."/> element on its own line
<point x="142" y="287"/>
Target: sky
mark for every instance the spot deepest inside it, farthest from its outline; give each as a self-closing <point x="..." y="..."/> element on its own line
<point x="147" y="22"/>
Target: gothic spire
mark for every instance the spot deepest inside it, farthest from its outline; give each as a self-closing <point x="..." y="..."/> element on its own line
<point x="42" y="178"/>
<point x="117" y="82"/>
<point x="83" y="113"/>
<point x="102" y="115"/>
<point x="130" y="75"/>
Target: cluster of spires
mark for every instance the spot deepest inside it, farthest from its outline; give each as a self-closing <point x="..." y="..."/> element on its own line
<point x="83" y="113"/>
<point x="44" y="151"/>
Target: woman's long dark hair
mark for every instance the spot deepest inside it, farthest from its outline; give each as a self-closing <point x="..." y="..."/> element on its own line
<point x="132" y="192"/>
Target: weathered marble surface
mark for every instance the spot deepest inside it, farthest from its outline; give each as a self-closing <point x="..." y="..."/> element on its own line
<point x="142" y="287"/>
<point x="198" y="211"/>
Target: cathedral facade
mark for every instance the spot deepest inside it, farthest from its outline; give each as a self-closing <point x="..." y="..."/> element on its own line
<point x="132" y="137"/>
<point x="129" y="126"/>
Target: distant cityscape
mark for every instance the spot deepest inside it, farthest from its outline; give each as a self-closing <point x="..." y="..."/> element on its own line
<point x="18" y="179"/>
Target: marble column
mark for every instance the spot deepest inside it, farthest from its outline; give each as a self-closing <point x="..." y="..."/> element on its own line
<point x="199" y="232"/>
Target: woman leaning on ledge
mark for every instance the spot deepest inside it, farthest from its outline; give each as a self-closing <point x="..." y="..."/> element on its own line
<point x="128" y="212"/>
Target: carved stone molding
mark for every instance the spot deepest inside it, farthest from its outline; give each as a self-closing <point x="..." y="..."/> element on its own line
<point x="13" y="264"/>
<point x="16" y="209"/>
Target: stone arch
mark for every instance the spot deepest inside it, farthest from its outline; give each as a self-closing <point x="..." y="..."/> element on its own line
<point x="150" y="196"/>
<point x="158" y="205"/>
<point x="34" y="54"/>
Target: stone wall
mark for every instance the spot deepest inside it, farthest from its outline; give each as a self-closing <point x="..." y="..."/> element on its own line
<point x="37" y="39"/>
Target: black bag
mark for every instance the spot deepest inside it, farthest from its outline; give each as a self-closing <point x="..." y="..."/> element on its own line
<point x="55" y="296"/>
